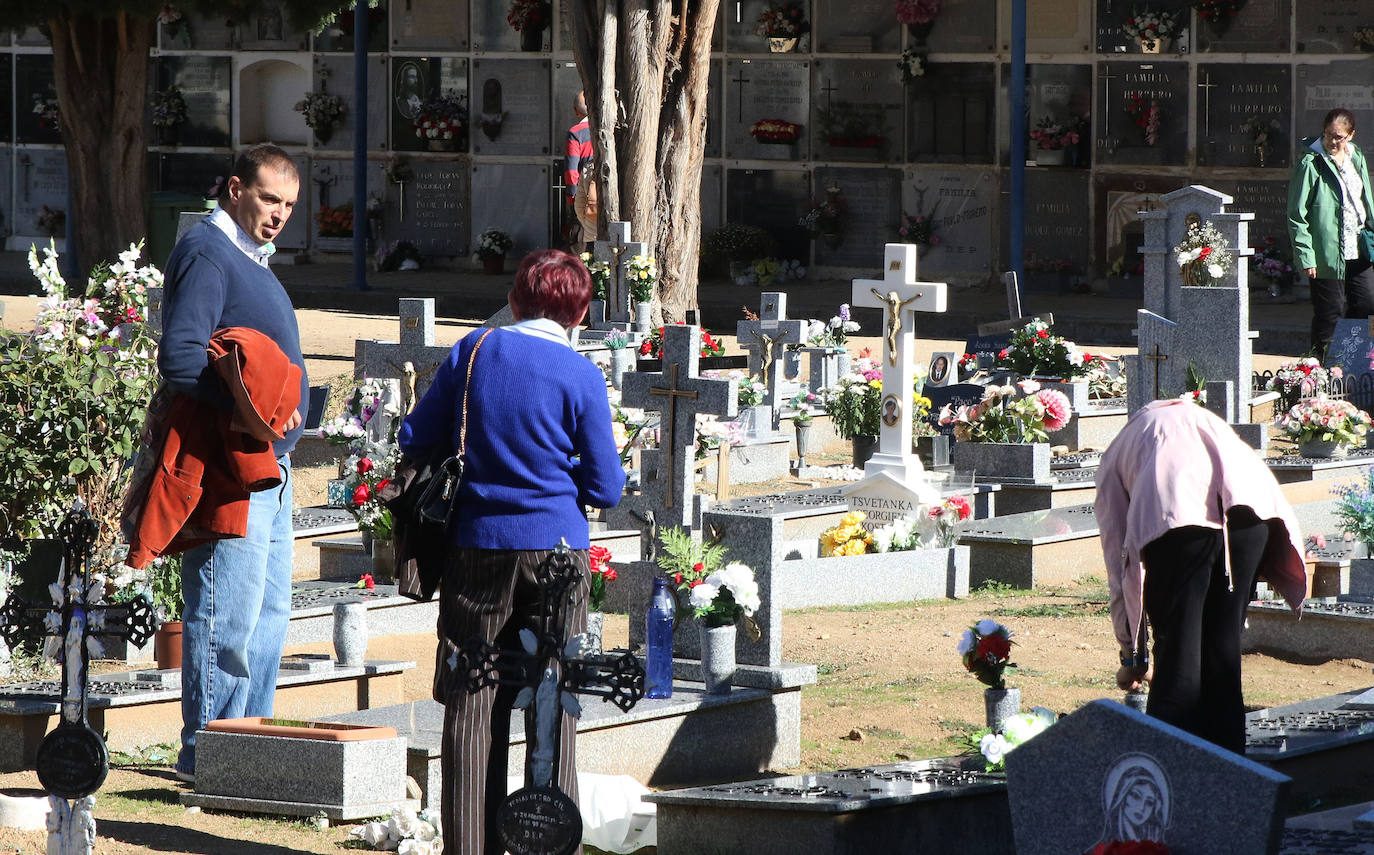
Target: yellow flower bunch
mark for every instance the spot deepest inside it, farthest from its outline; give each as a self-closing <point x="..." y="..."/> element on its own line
<point x="847" y="538"/>
<point x="642" y="272"/>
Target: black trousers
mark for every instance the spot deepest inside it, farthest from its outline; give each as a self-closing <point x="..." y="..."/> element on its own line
<point x="490" y="593"/>
<point x="1333" y="299"/>
<point x="1197" y="621"/>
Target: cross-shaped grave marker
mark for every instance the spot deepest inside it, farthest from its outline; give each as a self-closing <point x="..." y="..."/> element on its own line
<point x="389" y="360"/>
<point x="680" y="396"/>
<point x="765" y="340"/>
<point x="1207" y="105"/>
<point x="72" y="760"/>
<point x="616" y="251"/>
<point x="900" y="296"/>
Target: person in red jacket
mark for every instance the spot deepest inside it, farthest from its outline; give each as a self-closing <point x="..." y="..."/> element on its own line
<point x="578" y="154"/>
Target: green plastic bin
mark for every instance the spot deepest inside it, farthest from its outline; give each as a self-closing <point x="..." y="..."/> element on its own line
<point x="164" y="209"/>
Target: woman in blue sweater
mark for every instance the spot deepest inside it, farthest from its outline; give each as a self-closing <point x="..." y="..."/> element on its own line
<point x="538" y="449"/>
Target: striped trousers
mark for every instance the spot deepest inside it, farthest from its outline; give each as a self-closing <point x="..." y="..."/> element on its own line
<point x="490" y="593"/>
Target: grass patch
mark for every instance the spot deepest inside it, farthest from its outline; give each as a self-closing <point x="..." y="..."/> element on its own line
<point x="869" y="607"/>
<point x="825" y="669"/>
<point x="1053" y="610"/>
<point x="993" y="588"/>
<point x="961" y="728"/>
<point x="162" y="754"/>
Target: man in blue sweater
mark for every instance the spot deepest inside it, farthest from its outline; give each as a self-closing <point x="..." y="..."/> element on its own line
<point x="238" y="591"/>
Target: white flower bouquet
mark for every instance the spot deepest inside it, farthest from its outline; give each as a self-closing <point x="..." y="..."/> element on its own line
<point x="725" y="596"/>
<point x="1204" y="256"/>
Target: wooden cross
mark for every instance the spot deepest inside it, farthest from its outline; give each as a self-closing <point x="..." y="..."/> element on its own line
<point x="1156" y="358"/>
<point x="672" y="393"/>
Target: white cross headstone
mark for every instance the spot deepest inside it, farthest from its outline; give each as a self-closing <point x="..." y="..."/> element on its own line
<point x="766" y="340"/>
<point x="616" y="251"/>
<point x="895" y="466"/>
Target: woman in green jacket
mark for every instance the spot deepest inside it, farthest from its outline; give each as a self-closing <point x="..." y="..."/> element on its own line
<point x="1329" y="202"/>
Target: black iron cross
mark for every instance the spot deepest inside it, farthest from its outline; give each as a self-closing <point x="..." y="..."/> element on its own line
<point x="1156" y="358"/>
<point x="72" y="759"/>
<point x="828" y="88"/>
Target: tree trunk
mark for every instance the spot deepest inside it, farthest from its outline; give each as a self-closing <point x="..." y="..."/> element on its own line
<point x="101" y="70"/>
<point x="647" y="109"/>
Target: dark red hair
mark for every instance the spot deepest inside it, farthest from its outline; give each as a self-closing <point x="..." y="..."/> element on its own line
<point x="551" y="284"/>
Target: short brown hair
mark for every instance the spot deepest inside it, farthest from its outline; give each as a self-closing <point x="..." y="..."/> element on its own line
<point x="253" y="159"/>
<point x="552" y="284"/>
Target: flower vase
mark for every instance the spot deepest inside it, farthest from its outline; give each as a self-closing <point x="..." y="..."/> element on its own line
<point x="803" y="441"/>
<point x="832" y="239"/>
<point x="864" y="446"/>
<point x="1136" y="700"/>
<point x="494" y="265"/>
<point x="531" y="39"/>
<point x="717" y="658"/>
<point x="383" y="559"/>
<point x="1050" y="156"/>
<point x="350" y="633"/>
<point x="323" y="134"/>
<point x="920" y="32"/>
<point x="644" y="317"/>
<point x="1159" y="45"/>
<point x="622" y="360"/>
<point x="1321" y="450"/>
<point x="443" y="145"/>
<point x="782" y="45"/>
<point x="169" y="135"/>
<point x="167" y="645"/>
<point x="756" y="421"/>
<point x="596" y="622"/>
<point x="1001" y="704"/>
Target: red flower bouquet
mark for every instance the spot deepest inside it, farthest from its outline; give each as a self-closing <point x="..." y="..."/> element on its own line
<point x="602" y="572"/>
<point x="985" y="648"/>
<point x="775" y="131"/>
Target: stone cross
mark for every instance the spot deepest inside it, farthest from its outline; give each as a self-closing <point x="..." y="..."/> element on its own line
<point x="680" y="396"/>
<point x="900" y="296"/>
<point x="616" y="251"/>
<point x="387" y="359"/>
<point x="764" y="339"/>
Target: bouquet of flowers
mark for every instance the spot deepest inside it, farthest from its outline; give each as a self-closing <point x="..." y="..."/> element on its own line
<point x="1272" y="263"/>
<point x="336" y="221"/>
<point x="947" y="515"/>
<point x="1364" y="38"/>
<point x="1035" y="351"/>
<point x="1355" y="507"/>
<point x="1149" y="26"/>
<point x="836" y="332"/>
<point x="529" y="14"/>
<point x="1103" y="383"/>
<point x="373" y="470"/>
<point x="643" y="274"/>
<point x="169" y="108"/>
<point x="363" y="404"/>
<point x="712" y="433"/>
<point x="900" y="535"/>
<point x="406" y="832"/>
<point x="787" y="21"/>
<point x="1325" y="420"/>
<point x="652" y="345"/>
<point x="1203" y="255"/>
<point x="912" y="65"/>
<point x="600" y="272"/>
<point x="1015" y="731"/>
<point x="725" y="596"/>
<point x="919" y="230"/>
<point x="763" y="272"/>
<point x="1002" y="417"/>
<point x="322" y="111"/>
<point x="1052" y="136"/>
<point x="51" y="221"/>
<point x="853" y="402"/>
<point x="45" y="108"/>
<point x="985" y="649"/>
<point x="775" y="131"/>
<point x="849" y="537"/>
<point x="493" y="243"/>
<point x="1145" y="115"/>
<point x="687" y="562"/>
<point x="1218" y="13"/>
<point x="628" y="427"/>
<point x="602" y="572"/>
<point x="751" y="392"/>
<point x="916" y="11"/>
<point x="441" y="118"/>
<point x="826" y="217"/>
<point x="801" y="406"/>
<point x="1305" y="378"/>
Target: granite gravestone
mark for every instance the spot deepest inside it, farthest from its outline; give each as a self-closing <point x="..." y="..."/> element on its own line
<point x="1130" y="777"/>
<point x="205" y="83"/>
<point x="435" y="217"/>
<point x="1352" y="347"/>
<point x="963" y="26"/>
<point x="428" y="25"/>
<point x="617" y="251"/>
<point x="331" y="188"/>
<point x="340" y="82"/>
<point x="1112" y="14"/>
<point x="1118" y="231"/>
<point x="950" y="113"/>
<point x="857" y="111"/>
<point x="1322" y="88"/>
<point x="35" y="118"/>
<point x="1054" y="26"/>
<point x="491" y="31"/>
<point x="40" y="181"/>
<point x="510" y="107"/>
<point x="413" y="80"/>
<point x="1243" y="115"/>
<point x="1062" y="95"/>
<point x="1259" y="26"/>
<point x="773" y="200"/>
<point x="872" y="200"/>
<point x="767" y="340"/>
<point x="856" y="26"/>
<point x="960" y="206"/>
<point x="515" y="198"/>
<point x="1056" y="237"/>
<point x="1269" y="202"/>
<point x="386" y="359"/>
<point x="758" y="90"/>
<point x="1330" y="27"/>
<point x="1133" y="97"/>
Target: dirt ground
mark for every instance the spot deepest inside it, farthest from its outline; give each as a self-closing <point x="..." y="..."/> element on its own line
<point x="891" y="686"/>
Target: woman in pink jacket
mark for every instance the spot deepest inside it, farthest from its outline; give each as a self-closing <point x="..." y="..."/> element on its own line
<point x="1190" y="516"/>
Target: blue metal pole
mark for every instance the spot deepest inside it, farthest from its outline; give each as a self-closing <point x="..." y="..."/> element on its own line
<point x="1017" y="226"/>
<point x="360" y="146"/>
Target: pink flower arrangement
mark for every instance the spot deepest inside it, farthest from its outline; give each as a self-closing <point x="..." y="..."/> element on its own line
<point x="916" y="11"/>
<point x="1003" y="417"/>
<point x="1325" y="420"/>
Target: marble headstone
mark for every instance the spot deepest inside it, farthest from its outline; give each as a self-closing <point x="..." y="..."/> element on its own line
<point x="429" y="25"/>
<point x="758" y="89"/>
<point x="1230" y="99"/>
<point x="962" y="206"/>
<point x="856" y="26"/>
<point x="1322" y="88"/>
<point x="872" y="199"/>
<point x="861" y="100"/>
<point x="950" y="113"/>
<point x="515" y="198"/>
<point x="510" y="107"/>
<point x="34" y="86"/>
<point x="1124" y="87"/>
<point x="1259" y="26"/>
<point x="1330" y="27"/>
<point x="340" y="82"/>
<point x="772" y="200"/>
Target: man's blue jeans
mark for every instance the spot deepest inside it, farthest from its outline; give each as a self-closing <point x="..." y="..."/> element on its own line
<point x="238" y="603"/>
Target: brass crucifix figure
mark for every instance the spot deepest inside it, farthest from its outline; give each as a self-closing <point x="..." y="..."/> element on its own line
<point x="408" y="377"/>
<point x="767" y="343"/>
<point x="894" y="319"/>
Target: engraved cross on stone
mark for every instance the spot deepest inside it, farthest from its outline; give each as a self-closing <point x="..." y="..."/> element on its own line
<point x="616" y="251"/>
<point x="1156" y="358"/>
<point x="680" y="396"/>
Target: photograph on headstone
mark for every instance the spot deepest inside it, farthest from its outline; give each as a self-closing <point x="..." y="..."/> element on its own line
<point x="204" y="84"/>
<point x="1320" y="89"/>
<point x="1244" y="116"/>
<point x="1332" y="27"/>
<point x="768" y="26"/>
<point x="270" y="29"/>
<point x="1259" y="26"/>
<point x="1119" y="231"/>
<point x="856" y="26"/>
<point x="1142" y="113"/>
<point x="431" y="209"/>
<point x="1121" y="28"/>
<point x="429" y="24"/>
<point x="766" y="109"/>
<point x="1059" y="106"/>
<point x="515" y="198"/>
<point x="6" y="98"/>
<point x="35" y="112"/>
<point x="339" y="81"/>
<point x="338" y="36"/>
<point x="192" y="174"/>
<point x="872" y="201"/>
<point x="40" y="193"/>
<point x="958" y="209"/>
<point x="522" y="25"/>
<point x="1057" y="241"/>
<point x="428" y="104"/>
<point x="857" y="110"/>
<point x="961" y="26"/>
<point x="510" y="107"/>
<point x="773" y="200"/>
<point x="951" y="111"/>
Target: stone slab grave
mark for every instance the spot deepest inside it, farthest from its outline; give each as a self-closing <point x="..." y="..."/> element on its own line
<point x="1208" y="327"/>
<point x="1094" y="426"/>
<point x="687" y="739"/>
<point x="1326" y="745"/>
<point x="1034" y="549"/>
<point x="1339" y="627"/>
<point x="136" y="709"/>
<point x="1067" y="486"/>
<point x="923" y="806"/>
<point x="388" y="613"/>
<point x="1108" y="773"/>
<point x="299" y="768"/>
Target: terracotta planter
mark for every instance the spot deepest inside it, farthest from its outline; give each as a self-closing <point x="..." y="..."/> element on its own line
<point x="167" y="645"/>
<point x="494" y="265"/>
